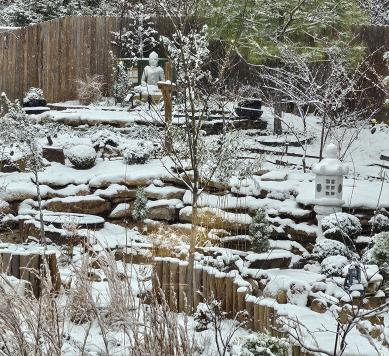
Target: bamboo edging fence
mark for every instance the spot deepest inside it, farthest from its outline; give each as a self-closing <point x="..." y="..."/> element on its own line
<point x="170" y="278"/>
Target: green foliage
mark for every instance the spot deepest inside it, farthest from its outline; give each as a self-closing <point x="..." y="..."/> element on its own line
<point x="27" y="12"/>
<point x="140" y="210"/>
<point x="260" y="232"/>
<point x="257" y="27"/>
<point x="261" y="344"/>
<point x="379" y="254"/>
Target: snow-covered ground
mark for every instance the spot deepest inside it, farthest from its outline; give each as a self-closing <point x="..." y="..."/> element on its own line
<point x="286" y="192"/>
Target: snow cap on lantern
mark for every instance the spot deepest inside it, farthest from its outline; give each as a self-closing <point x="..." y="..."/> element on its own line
<point x="329" y="178"/>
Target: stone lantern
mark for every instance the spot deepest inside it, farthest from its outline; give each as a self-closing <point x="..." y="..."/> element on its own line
<point x="328" y="184"/>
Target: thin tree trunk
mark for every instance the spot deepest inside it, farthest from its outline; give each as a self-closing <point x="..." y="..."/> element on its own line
<point x="192" y="248"/>
<point x="277" y="117"/>
<point x="322" y="140"/>
<point x="42" y="225"/>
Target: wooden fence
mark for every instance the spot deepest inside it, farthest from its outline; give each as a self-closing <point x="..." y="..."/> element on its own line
<point x="170" y="278"/>
<point x="26" y="266"/>
<point x="53" y="54"/>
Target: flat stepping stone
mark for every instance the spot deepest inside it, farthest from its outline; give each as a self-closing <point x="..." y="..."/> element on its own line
<point x="82" y="221"/>
<point x="274" y="141"/>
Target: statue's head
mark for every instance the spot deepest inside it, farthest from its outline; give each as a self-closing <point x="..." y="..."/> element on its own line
<point x="153" y="59"/>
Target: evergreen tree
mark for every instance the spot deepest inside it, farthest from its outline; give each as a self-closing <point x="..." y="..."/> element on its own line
<point x="121" y="85"/>
<point x="140" y="210"/>
<point x="260" y="232"/>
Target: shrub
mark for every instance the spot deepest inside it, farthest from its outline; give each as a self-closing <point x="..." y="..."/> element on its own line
<point x="333" y="265"/>
<point x="325" y="248"/>
<point x="34" y="97"/>
<point x="260" y="231"/>
<point x="341" y="227"/>
<point x="140" y="210"/>
<point x="379" y="254"/>
<point x="138" y="152"/>
<point x="82" y="156"/>
<point x="379" y="223"/>
<point x="261" y="344"/>
<point x="90" y="90"/>
<point x="297" y="293"/>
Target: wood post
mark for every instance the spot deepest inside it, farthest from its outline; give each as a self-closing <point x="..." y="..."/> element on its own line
<point x="220" y="286"/>
<point x="229" y="294"/>
<point x="205" y="283"/>
<point x="241" y="302"/>
<point x="197" y="286"/>
<point x="211" y="284"/>
<point x="257" y="317"/>
<point x="250" y="311"/>
<point x="166" y="280"/>
<point x="183" y="287"/>
<point x="167" y="89"/>
<point x="157" y="278"/>
<point x="173" y="285"/>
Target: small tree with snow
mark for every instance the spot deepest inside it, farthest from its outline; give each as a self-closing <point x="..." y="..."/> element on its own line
<point x="140" y="210"/>
<point x="21" y="132"/>
<point x="260" y="232"/>
<point x="341" y="227"/>
<point x="138" y="35"/>
<point x="121" y="84"/>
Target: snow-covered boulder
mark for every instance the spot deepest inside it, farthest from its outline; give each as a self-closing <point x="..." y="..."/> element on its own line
<point x="82" y="156"/>
<point x="88" y="204"/>
<point x="268" y="260"/>
<point x="165" y="209"/>
<point x="116" y="193"/>
<point x="4" y="207"/>
<point x="167" y="192"/>
<point x="122" y="210"/>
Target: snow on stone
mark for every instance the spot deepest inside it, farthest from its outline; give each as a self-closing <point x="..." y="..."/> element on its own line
<point x="272" y="254"/>
<point x="272" y="206"/>
<point x="113" y="236"/>
<point x="131" y="175"/>
<point x="255" y="186"/>
<point x="167" y="192"/>
<point x="275" y="175"/>
<point x="121" y="210"/>
<point x="171" y="203"/>
<point x="112" y="190"/>
<point x="232" y="218"/>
